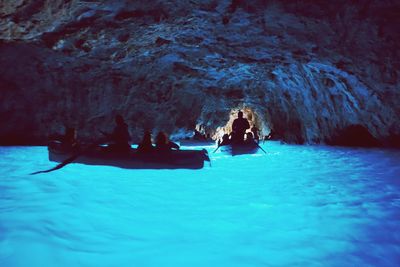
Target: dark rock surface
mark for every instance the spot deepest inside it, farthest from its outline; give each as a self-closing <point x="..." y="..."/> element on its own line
<point x="354" y="135"/>
<point x="306" y="69"/>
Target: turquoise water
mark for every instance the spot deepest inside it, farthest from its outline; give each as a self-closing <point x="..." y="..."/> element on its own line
<point x="294" y="206"/>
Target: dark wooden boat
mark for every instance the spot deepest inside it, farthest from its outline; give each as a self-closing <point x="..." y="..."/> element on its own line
<point x="174" y="159"/>
<point x="240" y="149"/>
<point x="193" y="142"/>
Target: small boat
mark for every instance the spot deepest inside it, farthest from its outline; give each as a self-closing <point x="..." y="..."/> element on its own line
<point x="194" y="142"/>
<point x="174" y="159"/>
<point x="240" y="149"/>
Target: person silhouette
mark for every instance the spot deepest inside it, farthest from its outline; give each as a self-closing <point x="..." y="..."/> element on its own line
<point x="249" y="138"/>
<point x="146" y="144"/>
<point x="225" y="140"/>
<point x="120" y="136"/>
<point x="255" y="131"/>
<point x="164" y="144"/>
<point x="68" y="140"/>
<point x="239" y="127"/>
<point x="269" y="136"/>
<point x="197" y="135"/>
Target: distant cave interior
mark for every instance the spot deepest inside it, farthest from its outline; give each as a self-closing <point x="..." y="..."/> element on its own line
<point x="255" y="119"/>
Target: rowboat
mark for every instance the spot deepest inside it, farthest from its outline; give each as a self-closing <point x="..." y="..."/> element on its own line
<point x="240" y="149"/>
<point x="173" y="159"/>
<point x="193" y="142"/>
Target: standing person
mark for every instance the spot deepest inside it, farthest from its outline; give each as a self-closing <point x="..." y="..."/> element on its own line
<point x="239" y="127"/>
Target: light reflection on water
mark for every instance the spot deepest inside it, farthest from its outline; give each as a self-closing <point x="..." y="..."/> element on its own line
<point x="294" y="206"/>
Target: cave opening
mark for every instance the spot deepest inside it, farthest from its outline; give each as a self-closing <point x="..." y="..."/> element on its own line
<point x="253" y="116"/>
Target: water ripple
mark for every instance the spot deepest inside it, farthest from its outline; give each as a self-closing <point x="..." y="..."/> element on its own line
<point x="294" y="206"/>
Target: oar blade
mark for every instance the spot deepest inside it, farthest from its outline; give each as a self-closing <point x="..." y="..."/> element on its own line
<point x="60" y="165"/>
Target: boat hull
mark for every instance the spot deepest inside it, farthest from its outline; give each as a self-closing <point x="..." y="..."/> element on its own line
<point x="239" y="149"/>
<point x="176" y="159"/>
<point x="190" y="142"/>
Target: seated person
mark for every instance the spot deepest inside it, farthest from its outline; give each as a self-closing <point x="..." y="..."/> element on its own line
<point x="269" y="136"/>
<point x="225" y="140"/>
<point x="255" y="131"/>
<point x="197" y="135"/>
<point x="164" y="144"/>
<point x="66" y="140"/>
<point x="120" y="137"/>
<point x="146" y="144"/>
<point x="249" y="138"/>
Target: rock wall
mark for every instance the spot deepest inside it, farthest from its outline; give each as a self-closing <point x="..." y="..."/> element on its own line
<point x="307" y="70"/>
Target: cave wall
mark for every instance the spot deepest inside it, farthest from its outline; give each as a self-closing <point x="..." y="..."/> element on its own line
<point x="308" y="69"/>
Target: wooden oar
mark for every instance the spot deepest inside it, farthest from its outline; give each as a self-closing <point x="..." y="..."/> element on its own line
<point x="70" y="159"/>
<point x="260" y="147"/>
<point x="216" y="149"/>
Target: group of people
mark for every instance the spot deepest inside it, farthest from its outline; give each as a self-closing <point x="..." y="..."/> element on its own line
<point x="199" y="136"/>
<point x="239" y="135"/>
<point x="162" y="143"/>
<point x="119" y="139"/>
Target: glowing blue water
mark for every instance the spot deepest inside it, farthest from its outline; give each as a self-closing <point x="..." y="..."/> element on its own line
<point x="295" y="206"/>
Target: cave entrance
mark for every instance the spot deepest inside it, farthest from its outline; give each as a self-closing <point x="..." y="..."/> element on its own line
<point x="252" y="116"/>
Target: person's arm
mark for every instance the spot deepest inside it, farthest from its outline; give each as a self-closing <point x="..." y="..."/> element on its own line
<point x="234" y="125"/>
<point x="247" y="125"/>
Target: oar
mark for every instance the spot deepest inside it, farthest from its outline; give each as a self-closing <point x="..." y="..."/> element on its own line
<point x="216" y="149"/>
<point x="70" y="159"/>
<point x="260" y="147"/>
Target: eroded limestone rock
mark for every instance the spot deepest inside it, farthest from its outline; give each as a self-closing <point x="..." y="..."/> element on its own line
<point x="307" y="71"/>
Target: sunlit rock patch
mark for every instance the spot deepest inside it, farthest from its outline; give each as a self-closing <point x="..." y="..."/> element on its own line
<point x="307" y="71"/>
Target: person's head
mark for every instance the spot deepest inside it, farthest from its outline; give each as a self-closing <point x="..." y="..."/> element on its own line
<point x="225" y="137"/>
<point x="240" y="114"/>
<point x="119" y="119"/>
<point x="249" y="136"/>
